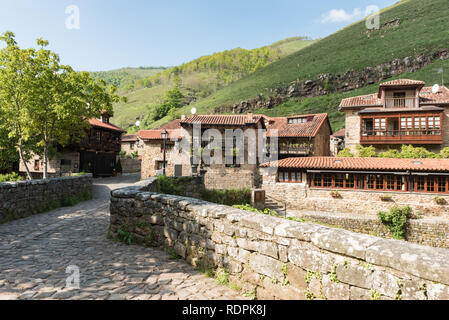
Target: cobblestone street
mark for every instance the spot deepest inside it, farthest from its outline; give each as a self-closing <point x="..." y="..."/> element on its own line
<point x="35" y="253"/>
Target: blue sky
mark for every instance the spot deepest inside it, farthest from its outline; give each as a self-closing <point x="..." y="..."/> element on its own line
<point x="119" y="33"/>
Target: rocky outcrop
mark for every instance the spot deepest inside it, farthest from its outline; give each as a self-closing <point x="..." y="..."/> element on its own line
<point x="330" y="83"/>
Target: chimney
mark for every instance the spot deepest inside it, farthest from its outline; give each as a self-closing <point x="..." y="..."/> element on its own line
<point x="250" y="116"/>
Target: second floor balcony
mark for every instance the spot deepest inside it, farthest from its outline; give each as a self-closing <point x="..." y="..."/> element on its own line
<point x="406" y="103"/>
<point x="419" y="128"/>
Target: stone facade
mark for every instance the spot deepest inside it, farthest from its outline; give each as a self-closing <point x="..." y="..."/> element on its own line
<point x="65" y="164"/>
<point x="24" y="198"/>
<point x="299" y="196"/>
<point x="274" y="258"/>
<point x="220" y="177"/>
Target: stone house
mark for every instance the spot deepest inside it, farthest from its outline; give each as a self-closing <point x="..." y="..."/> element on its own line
<point x="301" y="135"/>
<point x="337" y="142"/>
<point x="96" y="153"/>
<point x="359" y="185"/>
<point x="402" y="112"/>
<point x="297" y="135"/>
<point x="130" y="143"/>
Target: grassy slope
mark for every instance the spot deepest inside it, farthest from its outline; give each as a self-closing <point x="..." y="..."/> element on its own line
<point x="125" y="114"/>
<point x="424" y="26"/>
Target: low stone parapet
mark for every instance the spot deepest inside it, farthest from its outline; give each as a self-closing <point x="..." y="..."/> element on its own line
<point x="273" y="258"/>
<point x="21" y="199"/>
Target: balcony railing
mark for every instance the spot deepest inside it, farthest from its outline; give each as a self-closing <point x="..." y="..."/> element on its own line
<point x="408" y="103"/>
<point x="431" y="136"/>
<point x="294" y="150"/>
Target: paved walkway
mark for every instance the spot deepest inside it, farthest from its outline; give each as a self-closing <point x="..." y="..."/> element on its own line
<point x="35" y="253"/>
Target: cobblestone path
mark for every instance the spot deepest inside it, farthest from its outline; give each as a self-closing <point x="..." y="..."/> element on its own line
<point x="35" y="253"/>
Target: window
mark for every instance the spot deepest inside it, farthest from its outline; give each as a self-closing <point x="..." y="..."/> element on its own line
<point x="350" y="179"/>
<point x="297" y="120"/>
<point x="160" y="165"/>
<point x="131" y="145"/>
<point x="442" y="184"/>
<point x="98" y="136"/>
<point x="339" y="181"/>
<point x="317" y="181"/>
<point x="390" y="183"/>
<point x="36" y="165"/>
<point x="430" y="184"/>
<point x="327" y="180"/>
<point x="290" y="176"/>
<point x="421" y="184"/>
<point x="399" y="99"/>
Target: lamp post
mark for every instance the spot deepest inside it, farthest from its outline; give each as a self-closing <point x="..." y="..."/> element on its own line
<point x="164" y="139"/>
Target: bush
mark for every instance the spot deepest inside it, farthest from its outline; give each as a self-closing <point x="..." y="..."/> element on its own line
<point x="248" y="207"/>
<point x="118" y="167"/>
<point x="10" y="177"/>
<point x="346" y="153"/>
<point x="396" y="220"/>
<point x="168" y="185"/>
<point x="229" y="197"/>
<point x="366" y="152"/>
<point x="122" y="154"/>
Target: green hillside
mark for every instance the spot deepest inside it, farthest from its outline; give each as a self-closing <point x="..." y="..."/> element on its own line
<point x="145" y="87"/>
<point x="125" y="78"/>
<point x="424" y="28"/>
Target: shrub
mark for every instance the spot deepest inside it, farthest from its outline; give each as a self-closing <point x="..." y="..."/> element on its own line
<point x="118" y="167"/>
<point x="396" y="220"/>
<point x="335" y="194"/>
<point x="440" y="201"/>
<point x="345" y="153"/>
<point x="366" y="152"/>
<point x="248" y="207"/>
<point x="229" y="197"/>
<point x="122" y="154"/>
<point x="10" y="177"/>
<point x="168" y="185"/>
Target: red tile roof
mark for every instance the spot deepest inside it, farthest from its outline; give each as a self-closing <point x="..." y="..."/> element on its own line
<point x="157" y="134"/>
<point x="340" y="133"/>
<point x="403" y="82"/>
<point x="363" y="164"/>
<point x="98" y="123"/>
<point x="226" y="120"/>
<point x="307" y="129"/>
<point x="172" y="125"/>
<point x="426" y="97"/>
<point x="130" y="138"/>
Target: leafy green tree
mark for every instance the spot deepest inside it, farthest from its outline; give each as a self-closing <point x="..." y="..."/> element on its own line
<point x="444" y="153"/>
<point x="345" y="153"/>
<point x="17" y="76"/>
<point x="54" y="101"/>
<point x="366" y="152"/>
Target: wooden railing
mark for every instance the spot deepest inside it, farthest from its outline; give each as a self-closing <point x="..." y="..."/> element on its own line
<point x="408" y="103"/>
<point x="402" y="136"/>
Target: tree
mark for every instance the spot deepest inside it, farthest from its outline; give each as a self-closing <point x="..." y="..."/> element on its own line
<point x="346" y="153"/>
<point x="16" y="78"/>
<point x="366" y="152"/>
<point x="53" y="101"/>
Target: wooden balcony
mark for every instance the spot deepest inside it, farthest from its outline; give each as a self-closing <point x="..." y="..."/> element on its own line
<point x="405" y="103"/>
<point x="292" y="150"/>
<point x="402" y="137"/>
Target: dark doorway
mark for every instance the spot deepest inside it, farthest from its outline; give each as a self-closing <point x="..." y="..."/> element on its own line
<point x="178" y="170"/>
<point x="99" y="164"/>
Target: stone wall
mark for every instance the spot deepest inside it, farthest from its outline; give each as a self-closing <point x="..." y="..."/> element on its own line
<point x="24" y="198"/>
<point x="221" y="178"/>
<point x="429" y="232"/>
<point x="131" y="165"/>
<point x="273" y="258"/>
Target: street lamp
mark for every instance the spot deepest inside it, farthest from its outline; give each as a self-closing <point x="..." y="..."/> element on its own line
<point x="164" y="139"/>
